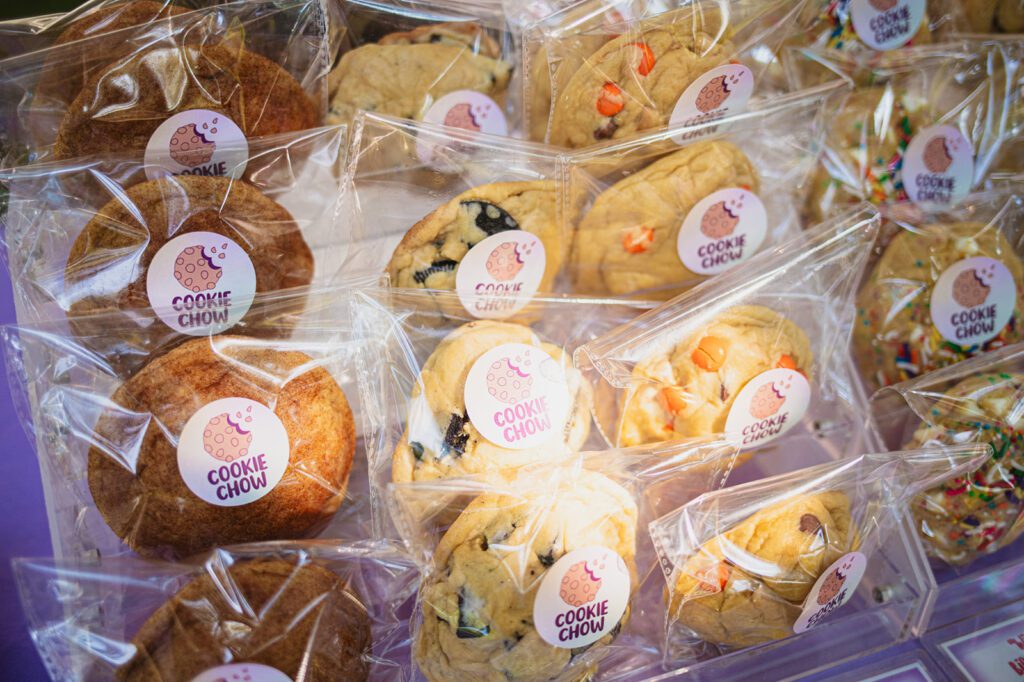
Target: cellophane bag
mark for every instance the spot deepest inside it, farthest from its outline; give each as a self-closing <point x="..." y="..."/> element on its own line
<point x="700" y="61"/>
<point x="761" y="561"/>
<point x="456" y="396"/>
<point x="657" y="214"/>
<point x="178" y="88"/>
<point x="927" y="125"/>
<point x="548" y="573"/>
<point x="761" y="352"/>
<point x="307" y="612"/>
<point x="113" y="234"/>
<point x="168" y="446"/>
<point x="447" y="63"/>
<point x="947" y="285"/>
<point x="994" y="16"/>
<point x="967" y="516"/>
<point x="455" y="211"/>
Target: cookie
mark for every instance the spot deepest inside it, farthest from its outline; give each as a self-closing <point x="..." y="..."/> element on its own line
<point x="895" y="337"/>
<point x="746" y="586"/>
<point x="139" y="485"/>
<point x="632" y="83"/>
<point x="688" y="388"/>
<point x="298" y="618"/>
<point x="994" y="16"/>
<point x="441" y="441"/>
<point x="627" y="241"/>
<point x="110" y="116"/>
<point x="478" y="602"/>
<point x="460" y="34"/>
<point x="1010" y="16"/>
<point x="971" y="516"/>
<point x="429" y="254"/>
<point x="108" y="262"/>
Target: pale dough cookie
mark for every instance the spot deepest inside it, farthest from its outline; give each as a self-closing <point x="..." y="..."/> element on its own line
<point x="627" y="240"/>
<point x="746" y="586"/>
<point x="968" y="517"/>
<point x="429" y="254"/>
<point x="468" y="35"/>
<point x="478" y="600"/>
<point x="894" y="337"/>
<point x="632" y="83"/>
<point x="441" y="442"/>
<point x="688" y="388"/>
<point x="995" y="16"/>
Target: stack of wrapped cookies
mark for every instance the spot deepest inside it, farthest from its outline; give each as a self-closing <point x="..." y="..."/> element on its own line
<point x="519" y="341"/>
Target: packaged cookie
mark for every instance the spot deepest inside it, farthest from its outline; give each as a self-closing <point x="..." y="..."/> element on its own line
<point x="660" y="213"/>
<point x="550" y="573"/>
<point x="994" y="16"/>
<point x="112" y="235"/>
<point x="439" y="62"/>
<point x="766" y="560"/>
<point x="948" y="285"/>
<point x="282" y="611"/>
<point x="929" y="127"/>
<point x="966" y="517"/>
<point x="455" y="212"/>
<point x="760" y="352"/>
<point x="699" y="62"/>
<point x="212" y="79"/>
<point x="201" y="441"/>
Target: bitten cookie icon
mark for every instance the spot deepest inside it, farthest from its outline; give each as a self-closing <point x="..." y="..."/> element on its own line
<point x="721" y="219"/>
<point x="197" y="270"/>
<point x="509" y="380"/>
<point x="970" y="288"/>
<point x="461" y="116"/>
<point x="937" y="156"/>
<point x="713" y="95"/>
<point x="225" y="437"/>
<point x="769" y="399"/>
<point x="581" y="583"/>
<point x="190" y="147"/>
<point x="507" y="260"/>
<point x="831" y="587"/>
<point x="883" y="5"/>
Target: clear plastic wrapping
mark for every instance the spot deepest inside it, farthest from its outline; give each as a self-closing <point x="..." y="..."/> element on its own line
<point x="304" y="612"/>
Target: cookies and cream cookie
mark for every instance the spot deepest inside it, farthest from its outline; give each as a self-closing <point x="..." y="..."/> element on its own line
<point x="746" y="586"/>
<point x="299" y="619"/>
<point x="441" y="440"/>
<point x="936" y="296"/>
<point x="688" y="388"/>
<point x="480" y="601"/>
<point x="970" y="516"/>
<point x="627" y="241"/>
<point x="222" y="440"/>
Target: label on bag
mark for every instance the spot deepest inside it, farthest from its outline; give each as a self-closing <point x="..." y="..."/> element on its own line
<point x="720" y="92"/>
<point x="973" y="300"/>
<point x="500" y="274"/>
<point x="242" y="672"/>
<point x="770" y="404"/>
<point x="464" y="109"/>
<point x="886" y="24"/>
<point x="938" y="167"/>
<point x="197" y="142"/>
<point x="834" y="587"/>
<point x="722" y="230"/>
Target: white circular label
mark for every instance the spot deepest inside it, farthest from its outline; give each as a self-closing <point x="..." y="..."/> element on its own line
<point x="581" y="598"/>
<point x="973" y="300"/>
<point x="722" y="91"/>
<point x="938" y="167"/>
<point x="233" y="451"/>
<point x="201" y="283"/>
<point x="834" y="587"/>
<point x="517" y="396"/>
<point x="886" y="24"/>
<point x="242" y="672"/>
<point x="722" y="229"/>
<point x="465" y="109"/>
<point x="197" y="142"/>
<point x="500" y="274"/>
<point x="770" y="404"/>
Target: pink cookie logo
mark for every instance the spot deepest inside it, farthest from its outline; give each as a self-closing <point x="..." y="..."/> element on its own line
<point x="461" y="116"/>
<point x="721" y="219"/>
<point x="581" y="582"/>
<point x="973" y="301"/>
<point x="938" y="166"/>
<point x="768" y="406"/>
<point x="242" y="672"/>
<point x="769" y="399"/>
<point x="509" y="380"/>
<point x="716" y="94"/>
<point x="500" y="274"/>
<point x="226" y="438"/>
<point x="507" y="260"/>
<point x="197" y="270"/>
<point x="190" y="146"/>
<point x="833" y="584"/>
<point x="722" y="230"/>
<point x="713" y="95"/>
<point x="197" y="142"/>
<point x="971" y="287"/>
<point x="937" y="156"/>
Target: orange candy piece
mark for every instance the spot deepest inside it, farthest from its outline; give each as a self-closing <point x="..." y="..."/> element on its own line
<point x="786" y="362"/>
<point x="610" y="101"/>
<point x="672" y="399"/>
<point x="637" y="239"/>
<point x="647" y="60"/>
<point x="710" y="353"/>
<point x="714" y="578"/>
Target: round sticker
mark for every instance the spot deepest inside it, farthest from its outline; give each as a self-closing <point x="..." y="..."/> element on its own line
<point x="973" y="300"/>
<point x="834" y="587"/>
<point x="581" y="598"/>
<point x="242" y="672"/>
<point x="938" y="166"/>
<point x="517" y="396"/>
<point x="500" y="274"/>
<point x="723" y="229"/>
<point x="886" y="24"/>
<point x="770" y="404"/>
<point x="201" y="283"/>
<point x="722" y="91"/>
<point x="465" y="109"/>
<point x="232" y="451"/>
<point x="197" y="142"/>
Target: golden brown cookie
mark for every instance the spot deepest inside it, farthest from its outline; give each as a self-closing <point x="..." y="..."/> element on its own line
<point x="140" y="488"/>
<point x="465" y="34"/>
<point x="300" y="619"/>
